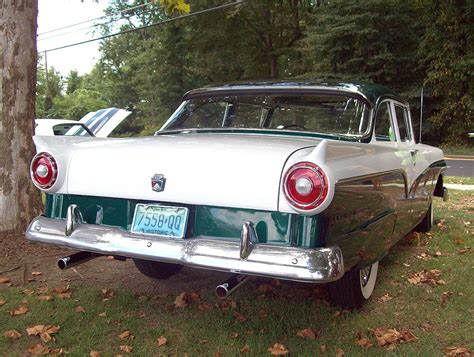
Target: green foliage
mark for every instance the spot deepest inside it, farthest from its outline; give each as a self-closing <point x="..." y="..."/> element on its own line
<point x="77" y="104"/>
<point x="447" y="51"/>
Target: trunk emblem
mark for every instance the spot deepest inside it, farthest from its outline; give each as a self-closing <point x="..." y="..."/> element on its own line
<point x="158" y="182"/>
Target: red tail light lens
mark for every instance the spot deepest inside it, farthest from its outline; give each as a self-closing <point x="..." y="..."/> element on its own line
<point x="305" y="185"/>
<point x="44" y="170"/>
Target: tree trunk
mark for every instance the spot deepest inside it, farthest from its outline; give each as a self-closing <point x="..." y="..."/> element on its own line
<point x="19" y="200"/>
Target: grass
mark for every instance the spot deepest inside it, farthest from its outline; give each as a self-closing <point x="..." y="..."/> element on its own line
<point x="458" y="150"/>
<point x="459" y="180"/>
<point x="277" y="314"/>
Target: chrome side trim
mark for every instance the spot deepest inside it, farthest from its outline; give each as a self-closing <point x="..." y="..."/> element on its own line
<point x="318" y="265"/>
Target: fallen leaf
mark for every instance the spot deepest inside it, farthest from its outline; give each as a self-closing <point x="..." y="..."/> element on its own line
<point x="204" y="306"/>
<point x="94" y="354"/>
<point x="162" y="340"/>
<point x="181" y="300"/>
<point x="126" y="349"/>
<point x="426" y="277"/>
<point x="80" y="309"/>
<point x="459" y="241"/>
<point x="339" y="352"/>
<point x="38" y="349"/>
<point x="107" y="294"/>
<point x="28" y="292"/>
<point x="56" y="351"/>
<point x="64" y="295"/>
<point x="61" y="290"/>
<point x="4" y="280"/>
<point x="244" y="350"/>
<point x="13" y="334"/>
<point x="438" y="254"/>
<point x="44" y="297"/>
<point x="323" y="348"/>
<point x="442" y="224"/>
<point x="363" y="342"/>
<point x="202" y="342"/>
<point x="102" y="314"/>
<point x="445" y="297"/>
<point x="308" y="334"/>
<point x="388" y="337"/>
<point x="234" y="335"/>
<point x="465" y="250"/>
<point x="457" y="351"/>
<point x="36" y="273"/>
<point x="239" y="317"/>
<point x="278" y="350"/>
<point x="124" y="335"/>
<point x="21" y="310"/>
<point x="385" y="297"/>
<point x="44" y="331"/>
<point x="2" y="302"/>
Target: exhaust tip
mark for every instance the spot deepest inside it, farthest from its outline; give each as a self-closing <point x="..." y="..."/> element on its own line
<point x="62" y="263"/>
<point x="222" y="291"/>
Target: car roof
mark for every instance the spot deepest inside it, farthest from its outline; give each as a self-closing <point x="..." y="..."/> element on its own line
<point x="371" y="92"/>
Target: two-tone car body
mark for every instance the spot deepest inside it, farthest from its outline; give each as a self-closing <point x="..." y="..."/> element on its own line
<point x="304" y="181"/>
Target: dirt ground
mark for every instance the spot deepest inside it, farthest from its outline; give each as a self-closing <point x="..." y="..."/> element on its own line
<point x="19" y="259"/>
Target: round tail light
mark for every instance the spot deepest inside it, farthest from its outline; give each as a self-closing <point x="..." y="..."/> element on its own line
<point x="305" y="185"/>
<point x="44" y="170"/>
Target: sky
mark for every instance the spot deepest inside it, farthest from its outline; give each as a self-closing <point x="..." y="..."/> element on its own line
<point x="54" y="14"/>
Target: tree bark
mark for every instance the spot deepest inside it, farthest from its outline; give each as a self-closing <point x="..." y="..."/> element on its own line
<point x="19" y="200"/>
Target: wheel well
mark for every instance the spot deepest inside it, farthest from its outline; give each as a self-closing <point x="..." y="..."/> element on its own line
<point x="438" y="191"/>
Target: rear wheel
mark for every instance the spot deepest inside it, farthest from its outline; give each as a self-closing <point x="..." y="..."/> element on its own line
<point x="157" y="270"/>
<point x="355" y="287"/>
<point x="427" y="222"/>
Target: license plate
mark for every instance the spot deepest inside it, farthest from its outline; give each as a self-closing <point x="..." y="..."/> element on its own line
<point x="159" y="220"/>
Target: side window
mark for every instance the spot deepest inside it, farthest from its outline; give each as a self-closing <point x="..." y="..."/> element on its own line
<point x="383" y="124"/>
<point x="403" y="123"/>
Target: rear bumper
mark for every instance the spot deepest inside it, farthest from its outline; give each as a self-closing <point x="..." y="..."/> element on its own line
<point x="318" y="265"/>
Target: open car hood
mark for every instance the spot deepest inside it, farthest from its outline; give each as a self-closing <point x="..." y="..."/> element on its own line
<point x="101" y="123"/>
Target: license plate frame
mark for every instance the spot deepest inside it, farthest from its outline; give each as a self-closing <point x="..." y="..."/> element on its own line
<point x="141" y="210"/>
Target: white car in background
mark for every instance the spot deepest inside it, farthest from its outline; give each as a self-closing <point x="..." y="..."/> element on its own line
<point x="99" y="123"/>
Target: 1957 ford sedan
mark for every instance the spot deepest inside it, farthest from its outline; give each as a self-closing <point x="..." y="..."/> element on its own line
<point x="311" y="182"/>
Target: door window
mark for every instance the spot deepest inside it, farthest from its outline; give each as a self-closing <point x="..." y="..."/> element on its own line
<point x="403" y="123"/>
<point x="383" y="124"/>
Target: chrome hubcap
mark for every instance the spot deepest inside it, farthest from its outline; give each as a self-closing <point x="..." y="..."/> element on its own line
<point x="365" y="275"/>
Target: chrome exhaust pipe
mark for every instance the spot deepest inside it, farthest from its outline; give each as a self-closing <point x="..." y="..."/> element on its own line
<point x="76" y="259"/>
<point x="227" y="287"/>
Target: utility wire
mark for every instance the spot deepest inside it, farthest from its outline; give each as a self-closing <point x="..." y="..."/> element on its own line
<point x="97" y="18"/>
<point x="85" y="28"/>
<point x="220" y="7"/>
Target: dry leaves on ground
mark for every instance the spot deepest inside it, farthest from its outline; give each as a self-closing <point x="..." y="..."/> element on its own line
<point x="36" y="273"/>
<point x="181" y="300"/>
<point x="107" y="294"/>
<point x="2" y="302"/>
<point x="4" y="280"/>
<point x="44" y="331"/>
<point x="445" y="297"/>
<point x="323" y="348"/>
<point x="426" y="277"/>
<point x="40" y="349"/>
<point x="204" y="306"/>
<point x="363" y="342"/>
<point x="162" y="340"/>
<point x="245" y="349"/>
<point x="308" y="334"/>
<point x="239" y="317"/>
<point x="390" y="337"/>
<point x="457" y="351"/>
<point x="126" y="349"/>
<point x="94" y="354"/>
<point x="385" y="297"/>
<point x="124" y="335"/>
<point x="63" y="292"/>
<point x="234" y="335"/>
<point x="339" y="352"/>
<point x="44" y="297"/>
<point x="80" y="309"/>
<point x="21" y="310"/>
<point x="13" y="334"/>
<point x="278" y="350"/>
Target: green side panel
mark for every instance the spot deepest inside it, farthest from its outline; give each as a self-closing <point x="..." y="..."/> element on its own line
<point x="274" y="228"/>
<point x="115" y="211"/>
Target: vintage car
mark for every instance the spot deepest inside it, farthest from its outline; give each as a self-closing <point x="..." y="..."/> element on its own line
<point x="304" y="181"/>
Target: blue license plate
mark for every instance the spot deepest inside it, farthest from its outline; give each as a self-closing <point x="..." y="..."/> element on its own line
<point x="164" y="221"/>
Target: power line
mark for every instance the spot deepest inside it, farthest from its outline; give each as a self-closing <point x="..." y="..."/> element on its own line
<point x="220" y="7"/>
<point x="94" y="19"/>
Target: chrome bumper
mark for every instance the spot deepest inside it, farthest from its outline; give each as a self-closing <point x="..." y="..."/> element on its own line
<point x="318" y="265"/>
